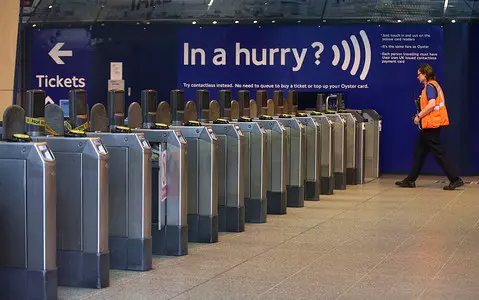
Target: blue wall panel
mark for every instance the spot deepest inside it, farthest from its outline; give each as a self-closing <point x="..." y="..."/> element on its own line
<point x="151" y="56"/>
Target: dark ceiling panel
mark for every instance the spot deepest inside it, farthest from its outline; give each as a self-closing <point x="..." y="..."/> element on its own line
<point x="91" y="11"/>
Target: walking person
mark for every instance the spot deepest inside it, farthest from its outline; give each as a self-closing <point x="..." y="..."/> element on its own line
<point x="431" y="118"/>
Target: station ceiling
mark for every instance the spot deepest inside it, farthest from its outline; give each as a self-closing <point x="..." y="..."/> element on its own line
<point x="227" y="11"/>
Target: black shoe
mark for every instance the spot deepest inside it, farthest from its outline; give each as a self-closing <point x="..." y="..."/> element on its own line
<point x="406" y="183"/>
<point x="454" y="184"/>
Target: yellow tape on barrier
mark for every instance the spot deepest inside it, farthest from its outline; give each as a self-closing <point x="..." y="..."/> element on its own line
<point x="83" y="127"/>
<point x="67" y="125"/>
<point x="40" y="123"/>
<point x="50" y="130"/>
<point x="35" y="121"/>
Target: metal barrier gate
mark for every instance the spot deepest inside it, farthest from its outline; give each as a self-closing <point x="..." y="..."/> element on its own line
<point x="28" y="267"/>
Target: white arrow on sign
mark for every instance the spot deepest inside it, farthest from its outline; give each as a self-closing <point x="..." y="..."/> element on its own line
<point x="49" y="100"/>
<point x="56" y="53"/>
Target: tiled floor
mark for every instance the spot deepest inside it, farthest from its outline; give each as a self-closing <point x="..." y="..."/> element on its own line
<point x="373" y="241"/>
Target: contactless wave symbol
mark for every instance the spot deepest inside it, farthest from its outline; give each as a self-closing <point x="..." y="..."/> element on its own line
<point x="357" y="55"/>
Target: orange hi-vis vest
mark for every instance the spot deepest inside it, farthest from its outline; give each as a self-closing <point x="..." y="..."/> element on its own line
<point x="438" y="116"/>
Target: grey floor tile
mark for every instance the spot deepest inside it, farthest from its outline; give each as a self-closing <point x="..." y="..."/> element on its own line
<point x="413" y="266"/>
<point x="460" y="268"/>
<point x="441" y="289"/>
<point x="373" y="241"/>
<point x="359" y="263"/>
<point x="386" y="287"/>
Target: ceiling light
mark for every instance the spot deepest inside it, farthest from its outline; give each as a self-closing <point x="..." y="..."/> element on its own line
<point x="34" y="25"/>
<point x="50" y="7"/>
<point x="273" y="21"/>
<point x="236" y="22"/>
<point x="194" y="22"/>
<point x="399" y="21"/>
<point x="214" y="22"/>
<point x="255" y="21"/>
<point x="453" y="21"/>
<point x="299" y="21"/>
<point x="429" y="21"/>
<point x="147" y="23"/>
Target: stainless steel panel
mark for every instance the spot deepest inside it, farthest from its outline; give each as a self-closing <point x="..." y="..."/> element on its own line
<point x="351" y="130"/>
<point x="277" y="154"/>
<point x="372" y="143"/>
<point x="119" y="190"/>
<point x="173" y="142"/>
<point x="41" y="174"/>
<point x="296" y="147"/>
<point x="339" y="143"/>
<point x="326" y="145"/>
<point x="202" y="169"/>
<point x="28" y="205"/>
<point x="255" y="156"/>
<point x="130" y="184"/>
<point x="230" y="164"/>
<point x="208" y="174"/>
<point x="312" y="161"/>
<point x="360" y="152"/>
<point x="82" y="190"/>
<point x="69" y="201"/>
<point x="13" y="174"/>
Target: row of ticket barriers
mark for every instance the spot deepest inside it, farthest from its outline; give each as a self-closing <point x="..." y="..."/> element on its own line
<point x="97" y="191"/>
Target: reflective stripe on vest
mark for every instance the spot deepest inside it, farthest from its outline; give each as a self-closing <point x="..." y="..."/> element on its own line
<point x="437" y="107"/>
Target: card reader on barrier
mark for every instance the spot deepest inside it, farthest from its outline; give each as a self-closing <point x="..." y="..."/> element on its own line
<point x="28" y="268"/>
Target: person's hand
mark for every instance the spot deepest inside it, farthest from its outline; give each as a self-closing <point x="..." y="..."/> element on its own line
<point x="416" y="120"/>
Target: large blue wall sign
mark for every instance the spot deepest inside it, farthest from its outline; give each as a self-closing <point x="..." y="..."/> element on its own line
<point x="59" y="61"/>
<point x="375" y="66"/>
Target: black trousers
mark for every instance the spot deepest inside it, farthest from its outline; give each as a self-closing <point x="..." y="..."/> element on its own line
<point x="429" y="140"/>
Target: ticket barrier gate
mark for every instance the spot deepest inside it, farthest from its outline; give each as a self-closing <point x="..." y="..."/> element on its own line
<point x="255" y="160"/>
<point x="202" y="170"/>
<point x="330" y="108"/>
<point x="277" y="162"/>
<point x="327" y="154"/>
<point x="256" y="179"/>
<point x="28" y="267"/>
<point x="130" y="241"/>
<point x="372" y="142"/>
<point x="312" y="159"/>
<point x="230" y="156"/>
<point x="169" y="181"/>
<point x="296" y="153"/>
<point x="82" y="199"/>
<point x="169" y="193"/>
<point x="339" y="149"/>
<point x="355" y="128"/>
<point x="312" y="130"/>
